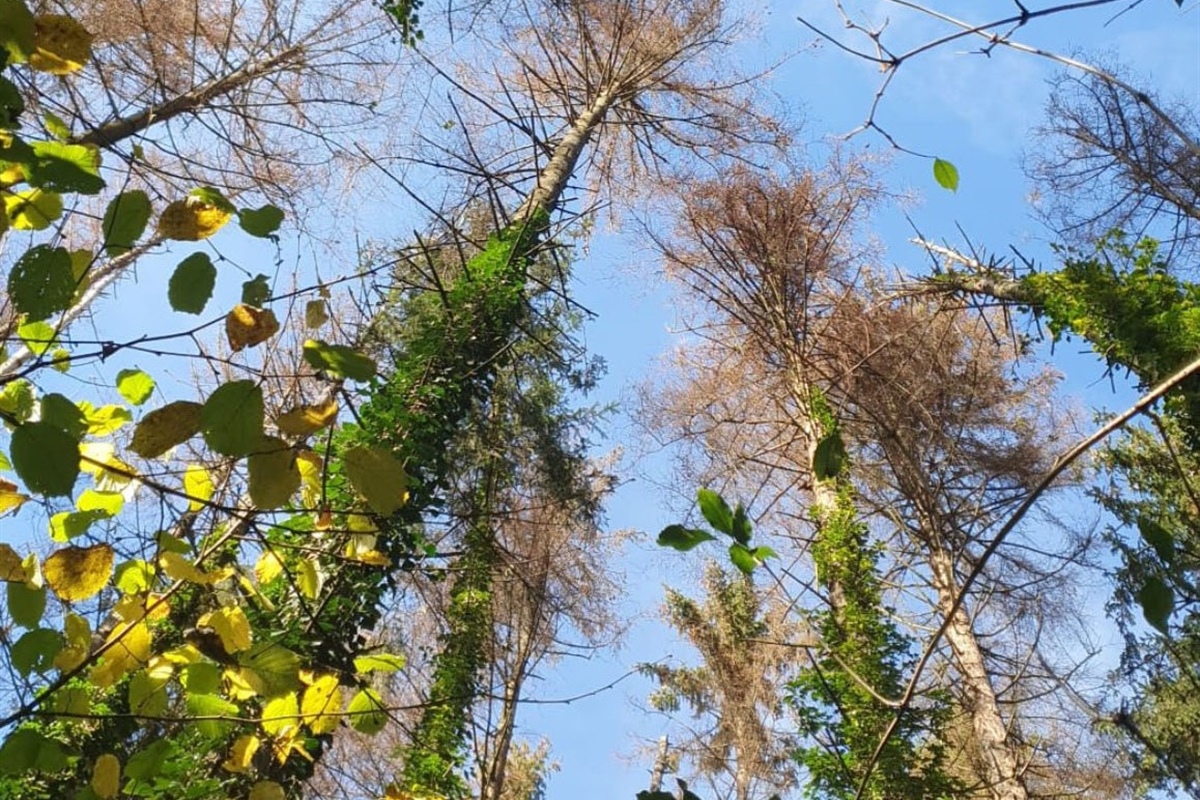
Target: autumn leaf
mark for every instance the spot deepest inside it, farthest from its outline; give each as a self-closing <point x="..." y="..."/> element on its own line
<point x="198" y="485"/>
<point x="166" y="427"/>
<point x="378" y="477"/>
<point x="61" y="45"/>
<point x="247" y="326"/>
<point x="305" y="420"/>
<point x="320" y="703"/>
<point x="106" y="776"/>
<point x="191" y="220"/>
<point x="77" y="573"/>
<point x="231" y="625"/>
<point x="241" y="754"/>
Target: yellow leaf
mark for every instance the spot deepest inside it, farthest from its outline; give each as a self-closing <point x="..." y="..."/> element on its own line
<point x="281" y="715"/>
<point x="373" y="558"/>
<point x="306" y="420"/>
<point x="308" y="579"/>
<point x="78" y="643"/>
<point x="241" y="755"/>
<point x="191" y="220"/>
<point x="10" y="498"/>
<point x="32" y="209"/>
<point x="166" y="427"/>
<point x="198" y="485"/>
<point x="320" y="702"/>
<point x="312" y="470"/>
<point x="132" y="608"/>
<point x="77" y="573"/>
<point x="109" y="473"/>
<point x="178" y="568"/>
<point x="377" y="476"/>
<point x="274" y="476"/>
<point x="106" y="776"/>
<point x="247" y="326"/>
<point x="60" y="44"/>
<point x="268" y="568"/>
<point x="266" y="790"/>
<point x="231" y="625"/>
<point x="131" y="650"/>
<point x="241" y="683"/>
<point x="11" y="568"/>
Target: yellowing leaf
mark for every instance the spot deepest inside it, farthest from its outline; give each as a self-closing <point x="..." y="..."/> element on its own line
<point x="178" y="568"/>
<point x="60" y="44"/>
<point x="241" y="755"/>
<point x="11" y="568"/>
<point x="241" y="683"/>
<point x="106" y="776"/>
<point x="77" y="573"/>
<point x="308" y="419"/>
<point x="166" y="427"/>
<point x="110" y="503"/>
<point x="308" y="579"/>
<point x="274" y="477"/>
<point x="247" y="326"/>
<point x="231" y="625"/>
<point x="32" y="209"/>
<point x="78" y="643"/>
<point x="312" y="471"/>
<point x="268" y="568"/>
<point x="378" y="477"/>
<point x="367" y="712"/>
<point x="315" y="314"/>
<point x="198" y="485"/>
<point x="281" y="714"/>
<point x="320" y="703"/>
<point x="267" y="790"/>
<point x="191" y="220"/>
<point x="129" y="651"/>
<point x="10" y="499"/>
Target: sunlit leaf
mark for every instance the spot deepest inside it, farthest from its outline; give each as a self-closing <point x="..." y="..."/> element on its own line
<point x="210" y="705"/>
<point x="105" y="419"/>
<point x="39" y="336"/>
<point x="166" y="427"/>
<point x="46" y="458"/>
<point x="744" y="558"/>
<point x="56" y="126"/>
<point x="26" y="604"/>
<point x="203" y="677"/>
<point x="62" y="167"/>
<point x="191" y="220"/>
<point x="192" y="284"/>
<point x="72" y="700"/>
<point x="66" y="525"/>
<point x="308" y="579"/>
<point x="60" y="359"/>
<point x="61" y="45"/>
<point x="260" y="222"/>
<point x="247" y="326"/>
<point x="130" y="650"/>
<point x="338" y="360"/>
<point x="367" y="712"/>
<point x="125" y="221"/>
<point x="17" y="399"/>
<point x="266" y="790"/>
<point x="32" y="209"/>
<point x="271" y="668"/>
<point x="108" y="502"/>
<point x="321" y="703"/>
<point x="232" y="418"/>
<point x="10" y="500"/>
<point x="946" y="174"/>
<point x="378" y="662"/>
<point x="135" y="386"/>
<point x="232" y="626"/>
<point x="198" y="485"/>
<point x="40" y="284"/>
<point x="178" y="568"/>
<point x="306" y="420"/>
<point x="110" y="473"/>
<point x="78" y="643"/>
<point x="11" y="568"/>
<point x="280" y="714"/>
<point x="376" y="475"/>
<point x="148" y="692"/>
<point x="106" y="776"/>
<point x="268" y="567"/>
<point x="77" y="573"/>
<point x="134" y="577"/>
<point x="241" y="754"/>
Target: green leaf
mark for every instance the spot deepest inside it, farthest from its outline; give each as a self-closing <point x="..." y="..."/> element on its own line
<point x="260" y="222"/>
<point x="946" y="174"/>
<point x="135" y="385"/>
<point x="41" y="283"/>
<point x="203" y="677"/>
<point x="256" y="291"/>
<point x="829" y="457"/>
<point x="105" y="419"/>
<point x="213" y="197"/>
<point x="683" y="539"/>
<point x="60" y="167"/>
<point x="26" y="604"/>
<point x="16" y="30"/>
<point x="147" y="694"/>
<point x="12" y="105"/>
<point x="716" y="511"/>
<point x="110" y="503"/>
<point x="134" y="577"/>
<point x="35" y="651"/>
<point x="192" y="284"/>
<point x="338" y="360"/>
<point x="377" y="476"/>
<point x="38" y="336"/>
<point x="17" y="400"/>
<point x="741" y="525"/>
<point x="61" y="359"/>
<point x="378" y="662"/>
<point x="1157" y="537"/>
<point x="210" y="705"/>
<point x="232" y="418"/>
<point x="145" y="764"/>
<point x="1158" y="603"/>
<point x="66" y="525"/>
<point x="27" y="750"/>
<point x="59" y="411"/>
<point x="367" y="714"/>
<point x="742" y="557"/>
<point x="274" y="476"/>
<point x="46" y="458"/>
<point x="55" y="126"/>
<point x="125" y="221"/>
